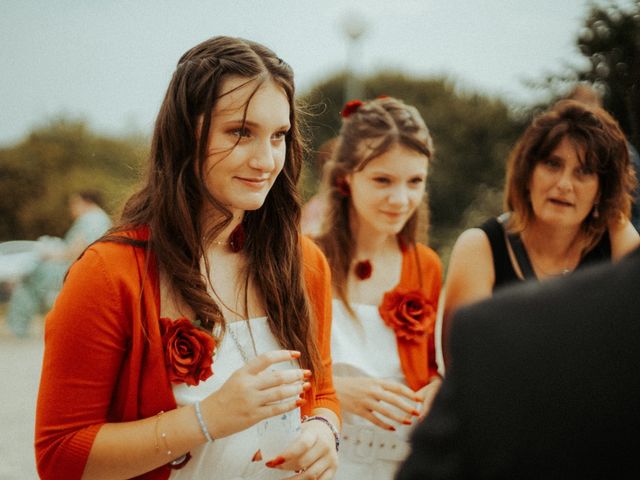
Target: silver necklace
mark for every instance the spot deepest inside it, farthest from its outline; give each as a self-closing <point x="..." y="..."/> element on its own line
<point x="564" y="271"/>
<point x="236" y="340"/>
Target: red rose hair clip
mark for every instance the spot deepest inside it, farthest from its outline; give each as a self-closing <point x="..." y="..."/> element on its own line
<point x="350" y="107"/>
<point x="343" y="187"/>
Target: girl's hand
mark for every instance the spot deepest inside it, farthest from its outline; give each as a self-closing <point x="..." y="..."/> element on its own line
<point x="312" y="455"/>
<point x="255" y="392"/>
<point x="366" y="397"/>
<point x="427" y="394"/>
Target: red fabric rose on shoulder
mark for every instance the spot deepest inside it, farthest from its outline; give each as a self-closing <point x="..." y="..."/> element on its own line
<point x="188" y="351"/>
<point x="408" y="312"/>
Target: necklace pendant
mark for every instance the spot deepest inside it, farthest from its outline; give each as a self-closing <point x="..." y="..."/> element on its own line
<point x="363" y="269"/>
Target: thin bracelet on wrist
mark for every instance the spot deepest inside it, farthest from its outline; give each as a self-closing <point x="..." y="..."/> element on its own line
<point x="203" y="426"/>
<point x="327" y="422"/>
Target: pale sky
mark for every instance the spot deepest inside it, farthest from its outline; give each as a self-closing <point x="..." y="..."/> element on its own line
<point x="110" y="61"/>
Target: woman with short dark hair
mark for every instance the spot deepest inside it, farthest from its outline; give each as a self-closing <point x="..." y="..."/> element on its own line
<point x="568" y="199"/>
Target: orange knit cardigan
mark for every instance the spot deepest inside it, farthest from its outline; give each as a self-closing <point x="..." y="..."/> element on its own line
<point x="421" y="270"/>
<point x="103" y="359"/>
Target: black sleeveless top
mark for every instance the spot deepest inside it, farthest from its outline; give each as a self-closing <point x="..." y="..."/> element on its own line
<point x="503" y="268"/>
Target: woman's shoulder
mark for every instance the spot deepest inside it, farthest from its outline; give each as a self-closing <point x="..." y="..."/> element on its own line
<point x="427" y="254"/>
<point x="117" y="251"/>
<point x="624" y="238"/>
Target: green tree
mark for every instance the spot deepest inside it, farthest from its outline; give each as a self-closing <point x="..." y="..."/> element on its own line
<point x="38" y="174"/>
<point x="610" y="40"/>
<point x="472" y="134"/>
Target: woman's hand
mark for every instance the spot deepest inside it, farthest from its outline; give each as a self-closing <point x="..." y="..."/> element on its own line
<point x="366" y="397"/>
<point x="428" y="393"/>
<point x="312" y="455"/>
<point x="255" y="392"/>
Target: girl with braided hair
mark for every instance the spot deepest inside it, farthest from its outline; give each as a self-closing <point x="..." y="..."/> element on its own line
<point x="203" y="317"/>
<point x="385" y="284"/>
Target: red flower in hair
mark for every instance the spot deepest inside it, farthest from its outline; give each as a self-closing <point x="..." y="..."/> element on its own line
<point x="350" y="107"/>
<point x="236" y="239"/>
<point x="188" y="351"/>
<point x="408" y="312"/>
<point x="343" y="187"/>
<point x="363" y="269"/>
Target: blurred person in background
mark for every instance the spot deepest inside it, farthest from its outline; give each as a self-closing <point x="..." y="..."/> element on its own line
<point x="385" y="284"/>
<point x="568" y="197"/>
<point x="36" y="293"/>
<point x="314" y="210"/>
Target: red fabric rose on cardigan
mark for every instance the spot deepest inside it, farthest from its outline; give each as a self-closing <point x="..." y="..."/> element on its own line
<point x="409" y="313"/>
<point x="188" y="351"/>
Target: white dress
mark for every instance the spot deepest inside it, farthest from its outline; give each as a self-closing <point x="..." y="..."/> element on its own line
<point x="367" y="347"/>
<point x="230" y="458"/>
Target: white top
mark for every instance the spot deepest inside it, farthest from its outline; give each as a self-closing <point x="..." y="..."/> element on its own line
<point x="229" y="458"/>
<point x="365" y="347"/>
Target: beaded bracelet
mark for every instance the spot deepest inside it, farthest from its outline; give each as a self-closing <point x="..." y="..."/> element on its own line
<point x="177" y="463"/>
<point x="327" y="422"/>
<point x="162" y="435"/>
<point x="203" y="426"/>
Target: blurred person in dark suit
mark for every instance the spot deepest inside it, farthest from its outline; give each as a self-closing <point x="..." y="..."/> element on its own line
<point x="544" y="382"/>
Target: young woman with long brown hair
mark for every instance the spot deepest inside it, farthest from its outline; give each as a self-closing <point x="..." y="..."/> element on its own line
<point x="204" y="316"/>
<point x="385" y="284"/>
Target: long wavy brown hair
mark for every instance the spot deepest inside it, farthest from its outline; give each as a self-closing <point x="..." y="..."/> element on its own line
<point x="606" y="153"/>
<point x="174" y="194"/>
<point x="368" y="132"/>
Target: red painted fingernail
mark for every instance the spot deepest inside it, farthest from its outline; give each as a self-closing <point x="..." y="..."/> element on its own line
<point x="415" y="413"/>
<point x="417" y="399"/>
<point x="294" y="354"/>
<point x="300" y="402"/>
<point x="392" y="428"/>
<point x="275" y="462"/>
<point x="257" y="456"/>
<point x="306" y="386"/>
<point x="406" y="422"/>
<point x="306" y="374"/>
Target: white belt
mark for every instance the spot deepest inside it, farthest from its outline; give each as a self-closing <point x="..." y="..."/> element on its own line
<point x="366" y="444"/>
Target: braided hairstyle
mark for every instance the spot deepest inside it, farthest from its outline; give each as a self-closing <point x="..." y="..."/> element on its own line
<point x="369" y="130"/>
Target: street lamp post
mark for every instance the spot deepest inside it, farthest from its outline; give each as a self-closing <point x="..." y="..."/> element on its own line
<point x="354" y="27"/>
